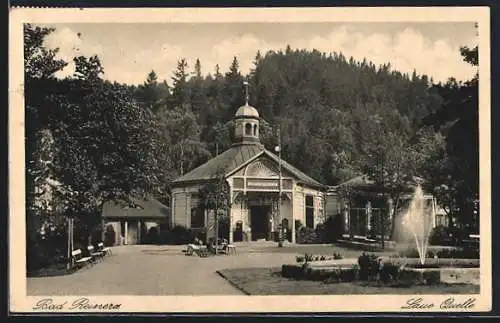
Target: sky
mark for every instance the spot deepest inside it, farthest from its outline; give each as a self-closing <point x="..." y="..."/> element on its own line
<point x="128" y="52"/>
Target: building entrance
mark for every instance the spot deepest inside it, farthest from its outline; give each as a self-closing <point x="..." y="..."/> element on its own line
<point x="259" y="221"/>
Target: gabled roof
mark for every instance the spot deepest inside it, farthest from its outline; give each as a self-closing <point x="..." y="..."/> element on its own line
<point x="225" y="162"/>
<point x="363" y="182"/>
<point x="233" y="159"/>
<point x="141" y="208"/>
<point x="301" y="176"/>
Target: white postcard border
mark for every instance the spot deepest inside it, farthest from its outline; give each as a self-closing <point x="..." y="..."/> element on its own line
<point x="20" y="302"/>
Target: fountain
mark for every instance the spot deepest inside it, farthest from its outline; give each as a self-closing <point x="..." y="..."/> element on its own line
<point x="418" y="221"/>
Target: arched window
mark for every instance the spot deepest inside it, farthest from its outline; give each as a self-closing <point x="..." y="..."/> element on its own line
<point x="248" y="129"/>
<point x="255" y="130"/>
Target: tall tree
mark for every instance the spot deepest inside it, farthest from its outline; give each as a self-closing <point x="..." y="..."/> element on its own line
<point x="234" y="92"/>
<point x="180" y="90"/>
<point x="40" y="66"/>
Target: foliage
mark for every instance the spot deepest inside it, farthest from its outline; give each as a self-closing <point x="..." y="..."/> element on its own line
<point x="456" y="181"/>
<point x="466" y="252"/>
<point x="215" y="195"/>
<point x="109" y="236"/>
<point x="332" y="229"/>
<point x="310" y="257"/>
<point x="368" y="266"/>
<point x="106" y="144"/>
<point x="39" y="62"/>
<point x="178" y="235"/>
<point x="306" y="235"/>
<point x="444" y="236"/>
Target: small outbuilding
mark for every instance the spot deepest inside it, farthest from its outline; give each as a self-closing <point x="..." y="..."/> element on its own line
<point x="137" y="222"/>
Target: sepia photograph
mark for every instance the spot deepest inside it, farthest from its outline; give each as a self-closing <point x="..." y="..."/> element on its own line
<point x="183" y="160"/>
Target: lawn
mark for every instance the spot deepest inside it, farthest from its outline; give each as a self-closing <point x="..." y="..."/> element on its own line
<point x="268" y="281"/>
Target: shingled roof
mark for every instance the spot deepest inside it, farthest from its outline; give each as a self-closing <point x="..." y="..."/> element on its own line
<point x="234" y="158"/>
<point x="140" y="209"/>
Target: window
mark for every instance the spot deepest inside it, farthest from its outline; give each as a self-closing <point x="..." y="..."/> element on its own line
<point x="255" y="130"/>
<point x="309" y="211"/>
<point x="197" y="217"/>
<point x="248" y="129"/>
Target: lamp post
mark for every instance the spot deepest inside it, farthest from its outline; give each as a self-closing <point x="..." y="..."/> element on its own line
<point x="280" y="225"/>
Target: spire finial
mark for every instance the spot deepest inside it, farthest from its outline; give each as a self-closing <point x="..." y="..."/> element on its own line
<point x="246" y="92"/>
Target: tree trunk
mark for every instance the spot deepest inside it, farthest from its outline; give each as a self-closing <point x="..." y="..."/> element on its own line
<point x="450" y="220"/>
<point x="382" y="230"/>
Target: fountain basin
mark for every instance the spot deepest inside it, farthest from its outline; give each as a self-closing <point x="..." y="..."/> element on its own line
<point x="443" y="275"/>
<point x="432" y="262"/>
<point x="410" y="272"/>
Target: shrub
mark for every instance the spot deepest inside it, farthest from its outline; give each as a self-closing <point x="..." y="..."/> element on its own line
<point x="413" y="253"/>
<point x="462" y="253"/>
<point x="337" y="256"/>
<point x="389" y="272"/>
<point x="109" y="236"/>
<point x="308" y="257"/>
<point x="153" y="236"/>
<point x="368" y="266"/>
<point x="412" y="277"/>
<point x="306" y="236"/>
<point x="293" y="271"/>
<point x="48" y="249"/>
<point x="339" y="275"/>
<point x="178" y="235"/>
<point x="446" y="236"/>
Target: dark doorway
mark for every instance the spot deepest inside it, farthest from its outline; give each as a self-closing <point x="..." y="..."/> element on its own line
<point x="259" y="221"/>
<point x="238" y="232"/>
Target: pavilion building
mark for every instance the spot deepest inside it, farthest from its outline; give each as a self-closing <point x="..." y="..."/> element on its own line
<point x="255" y="177"/>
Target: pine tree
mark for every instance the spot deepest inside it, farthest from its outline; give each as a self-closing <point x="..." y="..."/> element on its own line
<point x="180" y="90"/>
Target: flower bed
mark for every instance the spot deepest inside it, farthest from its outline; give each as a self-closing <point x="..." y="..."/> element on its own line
<point x="310" y="257"/>
<point x="433" y="262"/>
<point x="390" y="271"/>
<point x="340" y="273"/>
<point x="457" y="253"/>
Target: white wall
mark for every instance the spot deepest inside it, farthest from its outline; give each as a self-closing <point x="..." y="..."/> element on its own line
<point x="179" y="202"/>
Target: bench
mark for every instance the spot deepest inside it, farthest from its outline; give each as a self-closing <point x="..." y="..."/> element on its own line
<point x="95" y="255"/>
<point x="230" y="249"/>
<point x="78" y="259"/>
<point x="106" y="250"/>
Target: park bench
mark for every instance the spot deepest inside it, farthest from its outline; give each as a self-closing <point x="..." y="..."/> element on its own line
<point x="106" y="250"/>
<point x="78" y="259"/>
<point x="95" y="255"/>
<point x="230" y="249"/>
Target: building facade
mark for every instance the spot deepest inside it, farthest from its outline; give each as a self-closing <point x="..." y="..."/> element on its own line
<point x="365" y="207"/>
<point x="140" y="221"/>
<point x="255" y="177"/>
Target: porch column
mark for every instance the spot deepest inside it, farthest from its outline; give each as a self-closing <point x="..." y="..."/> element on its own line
<point x="347" y="220"/>
<point x="206" y="214"/>
<point x="139" y="232"/>
<point x="368" y="217"/>
<point x="229" y="216"/>
<point x="434" y="224"/>
<point x="390" y="204"/>
<point x="293" y="218"/>
<point x="103" y="229"/>
<point x="126" y="232"/>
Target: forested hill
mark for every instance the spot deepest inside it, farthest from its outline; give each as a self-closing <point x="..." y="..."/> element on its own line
<point x="329" y="108"/>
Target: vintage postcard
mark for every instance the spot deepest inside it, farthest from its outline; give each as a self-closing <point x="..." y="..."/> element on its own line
<point x="249" y="160"/>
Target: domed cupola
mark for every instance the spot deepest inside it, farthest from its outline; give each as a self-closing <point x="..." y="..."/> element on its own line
<point x="246" y="123"/>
